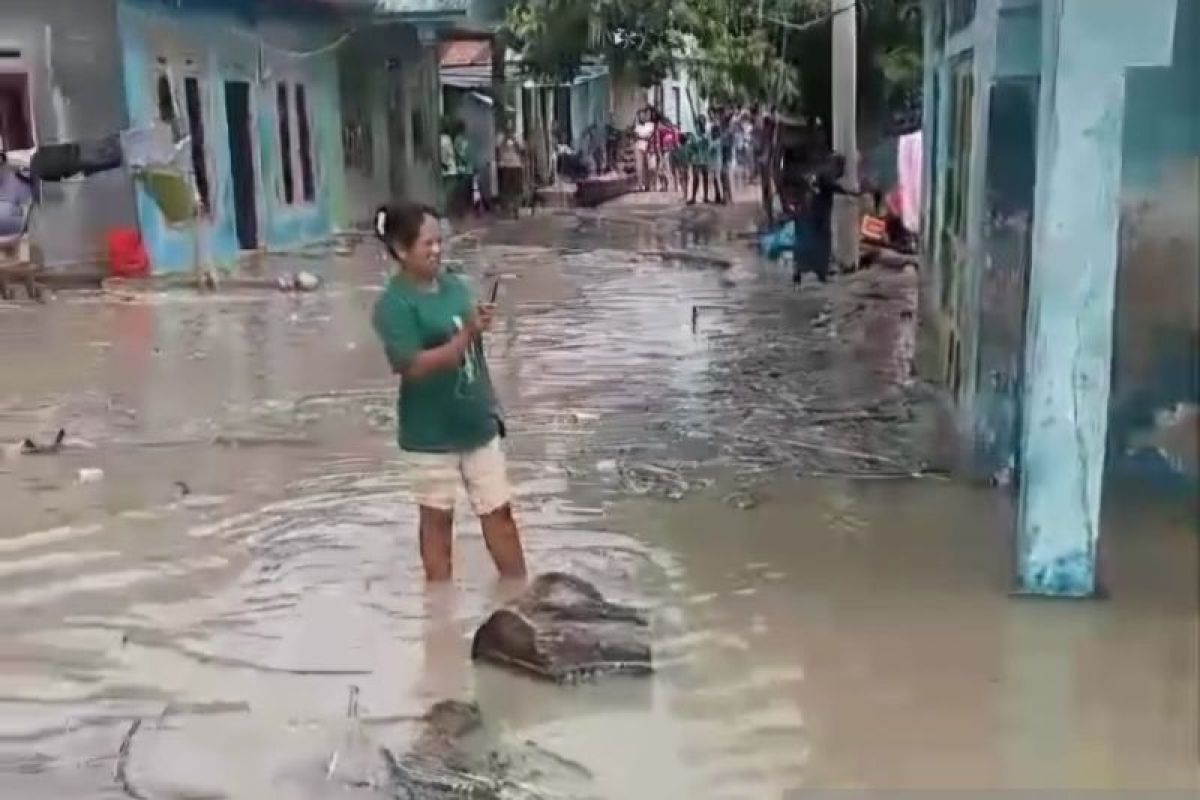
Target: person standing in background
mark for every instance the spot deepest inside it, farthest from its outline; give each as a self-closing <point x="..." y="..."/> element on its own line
<point x="698" y="160"/>
<point x="510" y="161"/>
<point x="643" y="132"/>
<point x="680" y="159"/>
<point x="727" y="136"/>
<point x="715" y="165"/>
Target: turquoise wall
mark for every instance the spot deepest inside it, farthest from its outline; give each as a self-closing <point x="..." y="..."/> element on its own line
<point x="215" y="47"/>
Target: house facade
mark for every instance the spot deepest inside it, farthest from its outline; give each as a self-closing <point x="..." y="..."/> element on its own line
<point x="259" y="99"/>
<point x="1060" y="231"/>
<point x="299" y="118"/>
<point x="61" y="80"/>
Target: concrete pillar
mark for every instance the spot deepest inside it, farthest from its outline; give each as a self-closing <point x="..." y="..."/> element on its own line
<point x="845" y="126"/>
<point x="1088" y="45"/>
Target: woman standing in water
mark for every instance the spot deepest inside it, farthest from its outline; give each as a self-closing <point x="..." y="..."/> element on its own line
<point x="450" y="432"/>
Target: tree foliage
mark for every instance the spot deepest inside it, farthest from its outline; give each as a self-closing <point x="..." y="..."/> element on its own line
<point x="773" y="52"/>
<point x="554" y="38"/>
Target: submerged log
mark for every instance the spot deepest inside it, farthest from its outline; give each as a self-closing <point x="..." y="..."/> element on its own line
<point x="562" y="629"/>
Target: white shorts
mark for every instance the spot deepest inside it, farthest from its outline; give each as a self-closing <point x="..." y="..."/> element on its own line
<point x="483" y="472"/>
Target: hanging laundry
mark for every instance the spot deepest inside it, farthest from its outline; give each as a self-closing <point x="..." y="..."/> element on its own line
<point x="100" y="155"/>
<point x="908" y="169"/>
<point x="56" y="162"/>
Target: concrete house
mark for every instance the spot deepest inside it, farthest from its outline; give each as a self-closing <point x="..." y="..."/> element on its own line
<point x="1059" y="299"/>
<point x="302" y="116"/>
<point x="258" y="94"/>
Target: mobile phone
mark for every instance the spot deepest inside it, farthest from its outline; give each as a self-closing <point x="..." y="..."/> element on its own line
<point x="495" y="291"/>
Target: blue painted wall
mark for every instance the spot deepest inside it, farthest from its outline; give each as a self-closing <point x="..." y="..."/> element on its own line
<point x="217" y="46"/>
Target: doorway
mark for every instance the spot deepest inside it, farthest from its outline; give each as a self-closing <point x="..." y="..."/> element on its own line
<point x="241" y="163"/>
<point x="15" y="128"/>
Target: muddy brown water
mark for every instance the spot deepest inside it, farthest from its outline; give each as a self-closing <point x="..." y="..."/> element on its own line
<point x="708" y="443"/>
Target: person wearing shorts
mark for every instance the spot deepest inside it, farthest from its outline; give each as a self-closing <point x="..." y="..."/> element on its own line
<point x="450" y="432"/>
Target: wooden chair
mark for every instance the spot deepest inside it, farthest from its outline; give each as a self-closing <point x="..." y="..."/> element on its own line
<point x="20" y="261"/>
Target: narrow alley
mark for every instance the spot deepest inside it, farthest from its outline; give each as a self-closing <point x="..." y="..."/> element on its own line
<point x="223" y="550"/>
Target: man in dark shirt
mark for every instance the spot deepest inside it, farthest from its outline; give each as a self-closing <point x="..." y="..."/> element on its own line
<point x="814" y="237"/>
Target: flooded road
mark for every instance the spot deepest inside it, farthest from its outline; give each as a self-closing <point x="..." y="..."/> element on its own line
<point x="750" y="463"/>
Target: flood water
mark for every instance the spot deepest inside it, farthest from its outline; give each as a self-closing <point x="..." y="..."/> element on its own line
<point x="750" y="463"/>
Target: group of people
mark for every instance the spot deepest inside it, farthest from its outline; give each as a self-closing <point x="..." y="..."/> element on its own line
<point x="705" y="164"/>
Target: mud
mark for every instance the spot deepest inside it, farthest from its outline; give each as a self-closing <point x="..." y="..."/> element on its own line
<point x="750" y="463"/>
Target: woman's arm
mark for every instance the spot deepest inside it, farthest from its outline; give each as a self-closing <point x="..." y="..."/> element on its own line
<point x="401" y="339"/>
<point x="444" y="358"/>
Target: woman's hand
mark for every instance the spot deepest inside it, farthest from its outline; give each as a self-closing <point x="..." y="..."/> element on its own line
<point x="481" y="321"/>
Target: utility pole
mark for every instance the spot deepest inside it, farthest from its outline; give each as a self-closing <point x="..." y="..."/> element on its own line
<point x="845" y="126"/>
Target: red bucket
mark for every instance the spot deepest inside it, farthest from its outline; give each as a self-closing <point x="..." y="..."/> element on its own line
<point x="127" y="256"/>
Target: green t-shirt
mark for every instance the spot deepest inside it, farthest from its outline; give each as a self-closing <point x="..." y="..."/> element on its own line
<point x="445" y="412"/>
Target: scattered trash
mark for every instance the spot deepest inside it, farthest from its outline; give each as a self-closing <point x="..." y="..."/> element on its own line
<point x="121" y="772"/>
<point x="356" y="762"/>
<point x="298" y="282"/>
<point x="91" y="475"/>
<point x="31" y="448"/>
<point x="743" y="499"/>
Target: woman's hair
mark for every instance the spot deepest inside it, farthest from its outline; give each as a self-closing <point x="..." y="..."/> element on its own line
<point x="401" y="223"/>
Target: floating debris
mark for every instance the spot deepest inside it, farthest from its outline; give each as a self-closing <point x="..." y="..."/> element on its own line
<point x="31" y="448"/>
<point x="90" y="475"/>
<point x="743" y="499"/>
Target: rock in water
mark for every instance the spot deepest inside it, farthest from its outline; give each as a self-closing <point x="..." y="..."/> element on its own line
<point x="562" y="629"/>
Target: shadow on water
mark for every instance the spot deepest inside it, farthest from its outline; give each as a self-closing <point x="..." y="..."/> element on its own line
<point x="688" y="433"/>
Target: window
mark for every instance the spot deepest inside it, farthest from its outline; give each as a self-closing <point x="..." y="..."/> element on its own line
<point x="961" y="14"/>
<point x="285" y="143"/>
<point x="304" y="132"/>
<point x="957" y="177"/>
<point x="417" y="121"/>
<point x="195" y="120"/>
<point x="168" y="110"/>
<point x="15" y="127"/>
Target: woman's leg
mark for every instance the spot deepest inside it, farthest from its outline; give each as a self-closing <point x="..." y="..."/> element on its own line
<point x="436" y="487"/>
<point x="504" y="542"/>
<point x="437" y="544"/>
<point x="485" y="474"/>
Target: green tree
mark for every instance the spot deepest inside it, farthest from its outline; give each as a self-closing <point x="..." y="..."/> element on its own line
<point x="740" y="48"/>
<point x="773" y="52"/>
<point x="554" y="38"/>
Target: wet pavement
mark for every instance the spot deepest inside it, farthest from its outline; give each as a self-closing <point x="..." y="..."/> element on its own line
<point x="224" y="550"/>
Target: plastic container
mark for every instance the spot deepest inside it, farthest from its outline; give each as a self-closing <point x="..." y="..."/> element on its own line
<point x="127" y="256"/>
